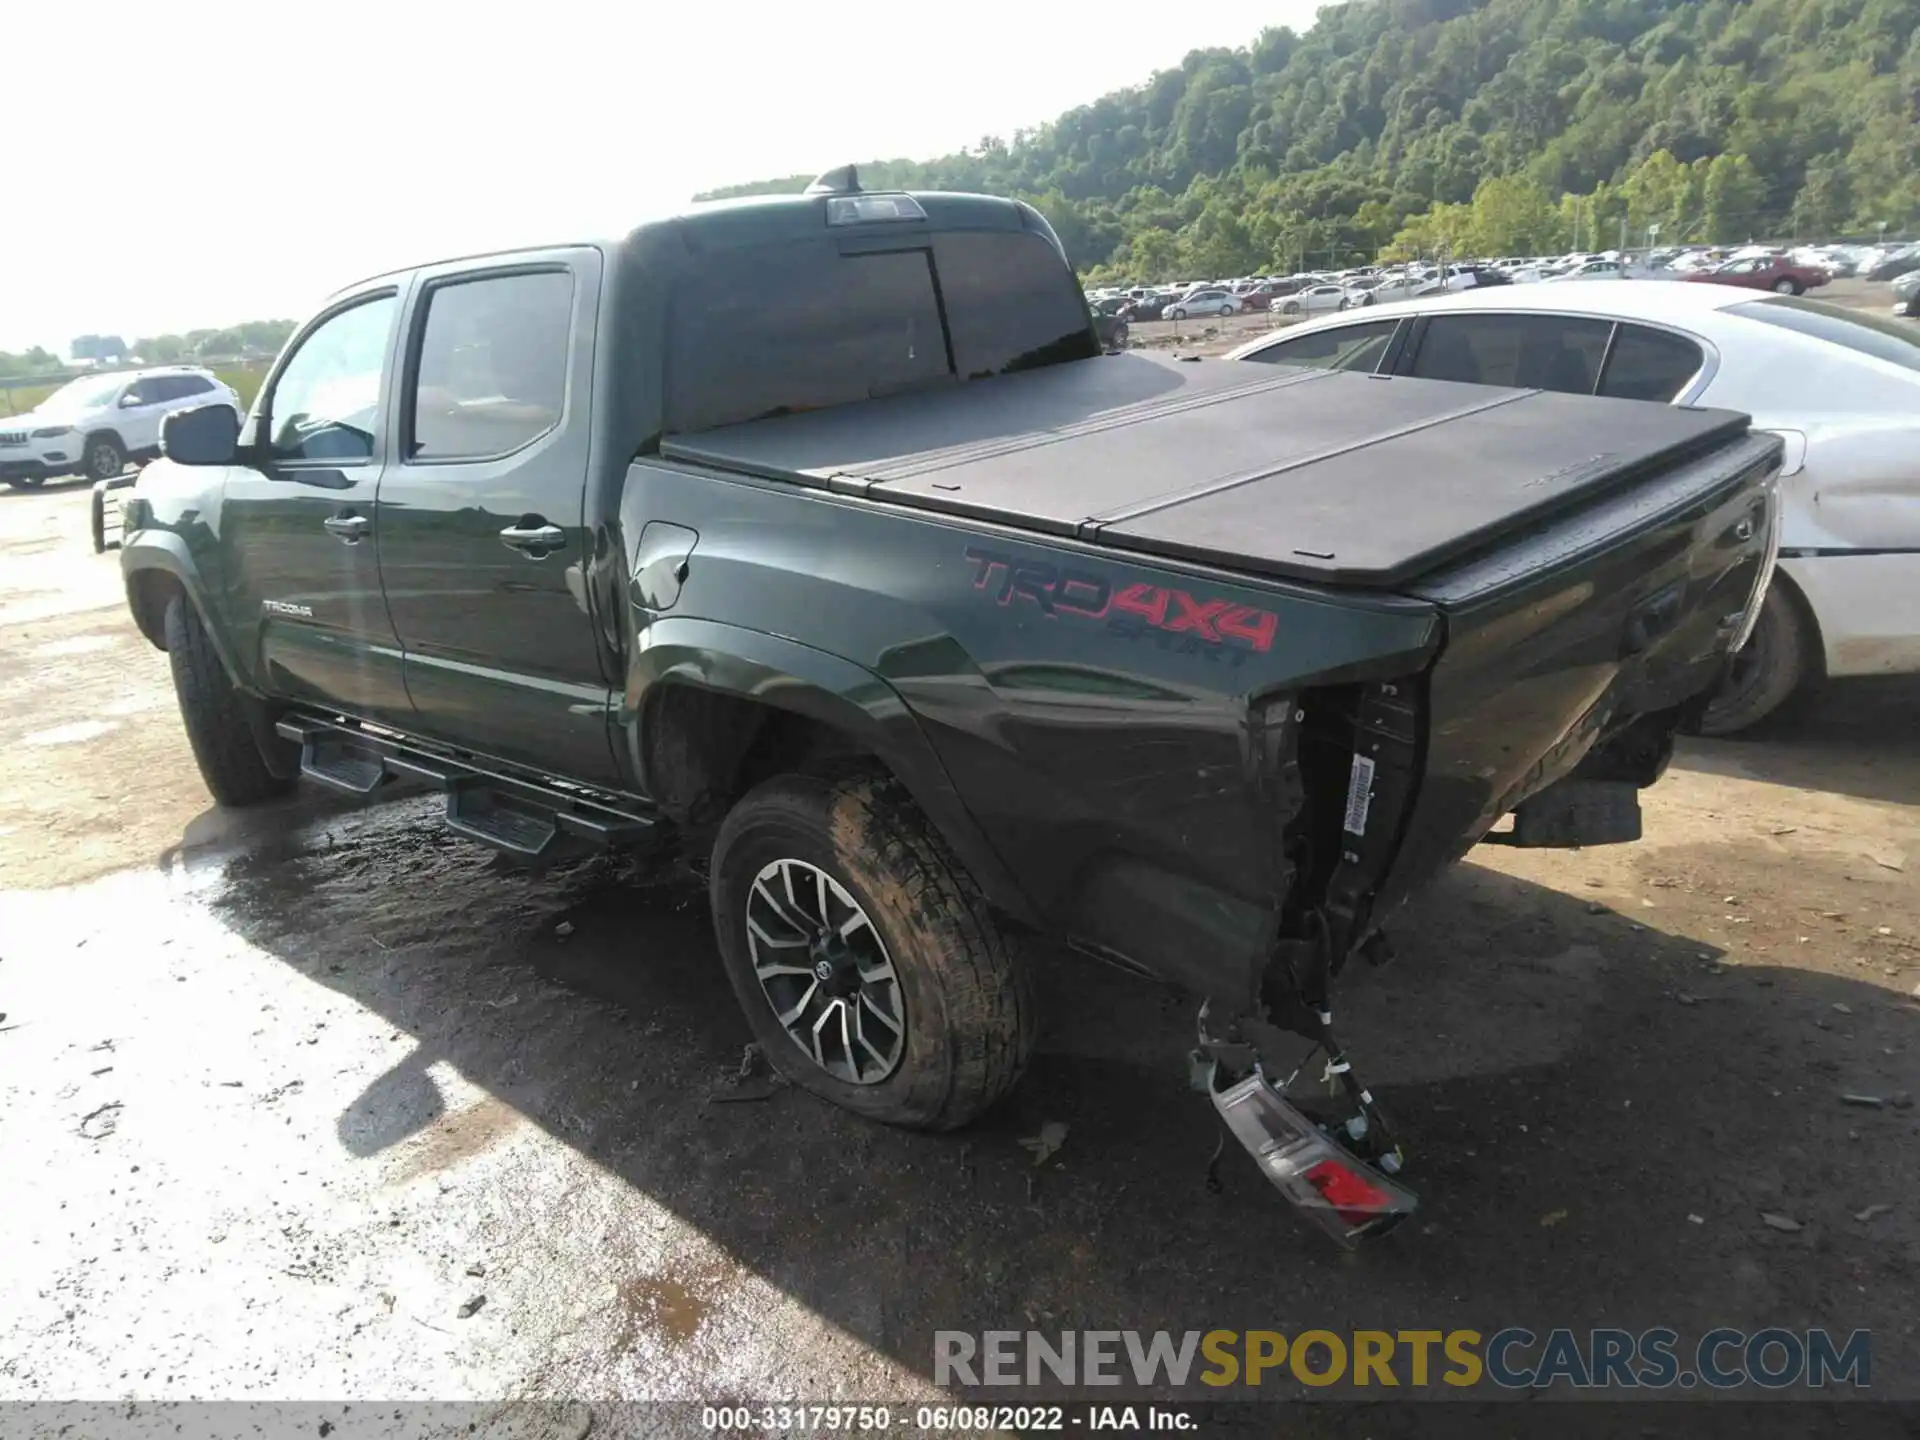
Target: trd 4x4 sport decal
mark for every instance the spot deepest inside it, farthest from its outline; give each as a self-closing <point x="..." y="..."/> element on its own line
<point x="1199" y="625"/>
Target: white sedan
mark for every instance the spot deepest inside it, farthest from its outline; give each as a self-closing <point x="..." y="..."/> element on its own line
<point x="1840" y="386"/>
<point x="1314" y="300"/>
<point x="1202" y="302"/>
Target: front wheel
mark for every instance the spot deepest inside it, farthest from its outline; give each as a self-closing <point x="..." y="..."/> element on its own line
<point x="1786" y="287"/>
<point x="869" y="966"/>
<point x="103" y="458"/>
<point x="26" y="482"/>
<point x="1120" y="337"/>
<point x="1292" y="307"/>
<point x="223" y="742"/>
<point x="1774" y="662"/>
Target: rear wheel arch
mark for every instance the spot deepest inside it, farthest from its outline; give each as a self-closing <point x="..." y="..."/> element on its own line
<point x="722" y="709"/>
<point x="702" y="749"/>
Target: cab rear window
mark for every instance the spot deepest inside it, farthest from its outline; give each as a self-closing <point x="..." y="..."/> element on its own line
<point x="770" y="330"/>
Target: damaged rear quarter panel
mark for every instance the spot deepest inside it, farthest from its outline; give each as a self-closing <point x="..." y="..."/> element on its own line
<point x="1098" y="716"/>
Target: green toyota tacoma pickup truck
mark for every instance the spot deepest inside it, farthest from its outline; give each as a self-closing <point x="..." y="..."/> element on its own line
<point x="817" y="535"/>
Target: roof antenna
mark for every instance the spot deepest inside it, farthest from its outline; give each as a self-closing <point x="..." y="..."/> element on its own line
<point x="844" y="181"/>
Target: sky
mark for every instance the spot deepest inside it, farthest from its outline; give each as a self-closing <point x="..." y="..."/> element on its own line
<point x="201" y="164"/>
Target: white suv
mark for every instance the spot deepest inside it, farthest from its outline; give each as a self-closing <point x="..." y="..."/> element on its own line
<point x="92" y="426"/>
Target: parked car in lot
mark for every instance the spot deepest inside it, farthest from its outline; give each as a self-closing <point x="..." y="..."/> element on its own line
<point x="1202" y="302"/>
<point x="1313" y="300"/>
<point x="919" y="621"/>
<point x="1763" y="272"/>
<point x="1111" y="321"/>
<point x="1256" y="298"/>
<point x="1899" y="262"/>
<point x="94" y="425"/>
<point x="1906" y="294"/>
<point x="1840" y="386"/>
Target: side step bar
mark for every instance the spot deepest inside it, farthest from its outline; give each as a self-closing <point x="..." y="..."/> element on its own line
<point x="520" y="816"/>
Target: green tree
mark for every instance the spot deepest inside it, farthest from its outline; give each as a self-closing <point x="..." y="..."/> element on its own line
<point x="1733" y="194"/>
<point x="1155" y="256"/>
<point x="1714" y="119"/>
<point x="1510" y="215"/>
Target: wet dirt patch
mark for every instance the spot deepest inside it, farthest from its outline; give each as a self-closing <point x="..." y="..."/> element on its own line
<point x="460" y="1137"/>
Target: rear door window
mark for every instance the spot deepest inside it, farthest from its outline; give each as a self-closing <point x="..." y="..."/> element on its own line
<point x="1344" y="347"/>
<point x="1649" y="364"/>
<point x="1545" y="352"/>
<point x="492" y="372"/>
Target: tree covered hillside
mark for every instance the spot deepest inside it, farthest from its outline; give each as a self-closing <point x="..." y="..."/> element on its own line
<point x="1490" y="126"/>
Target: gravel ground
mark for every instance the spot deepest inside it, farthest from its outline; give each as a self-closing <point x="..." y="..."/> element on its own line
<point x="318" y="1103"/>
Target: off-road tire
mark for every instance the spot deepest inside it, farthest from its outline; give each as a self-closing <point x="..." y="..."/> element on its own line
<point x="1776" y="660"/>
<point x="103" y="458"/>
<point x="223" y="742"/>
<point x="968" y="1003"/>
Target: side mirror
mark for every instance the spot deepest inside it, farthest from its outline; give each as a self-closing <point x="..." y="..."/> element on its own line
<point x="204" y="435"/>
<point x="131" y="399"/>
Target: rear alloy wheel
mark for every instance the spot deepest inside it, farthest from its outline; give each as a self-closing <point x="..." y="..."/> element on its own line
<point x="868" y="965"/>
<point x="825" y="971"/>
<point x="103" y="458"/>
<point x="1767" y="670"/>
<point x="1120" y="337"/>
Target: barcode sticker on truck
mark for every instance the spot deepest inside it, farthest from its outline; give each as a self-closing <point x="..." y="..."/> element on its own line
<point x="1359" y="795"/>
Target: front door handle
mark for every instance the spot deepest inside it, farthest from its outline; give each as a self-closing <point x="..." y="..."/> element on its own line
<point x="533" y="536"/>
<point x="348" y="528"/>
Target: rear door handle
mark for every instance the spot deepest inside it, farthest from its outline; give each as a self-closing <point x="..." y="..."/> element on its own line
<point x="534" y="537"/>
<point x="348" y="528"/>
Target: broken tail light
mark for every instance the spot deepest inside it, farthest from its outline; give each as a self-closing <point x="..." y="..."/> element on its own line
<point x="1327" y="1183"/>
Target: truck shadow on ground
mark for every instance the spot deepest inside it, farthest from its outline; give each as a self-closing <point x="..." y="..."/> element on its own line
<point x="1857" y="737"/>
<point x="1598" y="1115"/>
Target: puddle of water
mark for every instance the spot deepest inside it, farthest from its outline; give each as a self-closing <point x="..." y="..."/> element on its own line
<point x="664" y="1305"/>
<point x="74" y="734"/>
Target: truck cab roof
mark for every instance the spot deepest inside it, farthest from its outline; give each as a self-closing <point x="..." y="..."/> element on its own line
<point x="752" y="220"/>
<point x="739" y="309"/>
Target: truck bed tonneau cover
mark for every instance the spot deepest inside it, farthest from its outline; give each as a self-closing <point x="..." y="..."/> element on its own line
<point x="1306" y="474"/>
